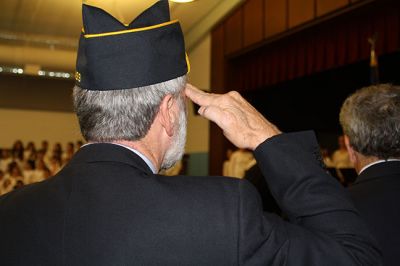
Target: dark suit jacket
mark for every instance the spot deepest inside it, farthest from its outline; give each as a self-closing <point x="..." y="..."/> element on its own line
<point x="107" y="208"/>
<point x="255" y="177"/>
<point x="376" y="193"/>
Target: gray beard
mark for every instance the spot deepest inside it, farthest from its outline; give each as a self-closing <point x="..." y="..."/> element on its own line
<point x="177" y="148"/>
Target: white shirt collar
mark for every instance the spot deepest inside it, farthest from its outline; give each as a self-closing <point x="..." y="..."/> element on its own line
<point x="145" y="159"/>
<point x="377" y="162"/>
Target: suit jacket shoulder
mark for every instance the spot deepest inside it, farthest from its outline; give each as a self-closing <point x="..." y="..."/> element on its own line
<point x="106" y="207"/>
<point x="375" y="193"/>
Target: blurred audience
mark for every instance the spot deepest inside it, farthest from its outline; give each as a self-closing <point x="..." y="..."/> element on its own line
<point x="20" y="166"/>
<point x="238" y="163"/>
<point x="17" y="151"/>
<point x="326" y="157"/>
<point x="5" y="159"/>
<point x="69" y="151"/>
<point x="14" y="171"/>
<point x="340" y="156"/>
<point x="45" y="146"/>
<point x="226" y="165"/>
<point x="30" y="153"/>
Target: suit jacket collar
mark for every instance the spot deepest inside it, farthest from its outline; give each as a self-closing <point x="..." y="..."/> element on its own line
<point x="379" y="170"/>
<point x="107" y="152"/>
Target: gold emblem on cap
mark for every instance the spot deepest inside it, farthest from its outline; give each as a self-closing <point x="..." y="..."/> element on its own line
<point x="78" y="76"/>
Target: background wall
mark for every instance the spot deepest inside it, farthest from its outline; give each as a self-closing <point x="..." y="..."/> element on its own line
<point x="199" y="76"/>
<point x="32" y="125"/>
<point x="198" y="128"/>
<point x="34" y="108"/>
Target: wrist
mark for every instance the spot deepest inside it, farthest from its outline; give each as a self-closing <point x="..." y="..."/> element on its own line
<point x="261" y="138"/>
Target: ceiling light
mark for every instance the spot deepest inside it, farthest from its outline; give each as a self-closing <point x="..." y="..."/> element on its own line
<point x="182" y="1"/>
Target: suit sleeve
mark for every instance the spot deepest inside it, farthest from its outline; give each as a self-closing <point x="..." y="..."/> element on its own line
<point x="324" y="228"/>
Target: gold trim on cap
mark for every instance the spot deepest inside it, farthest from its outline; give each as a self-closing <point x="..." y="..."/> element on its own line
<point x="130" y="31"/>
<point x="187" y="63"/>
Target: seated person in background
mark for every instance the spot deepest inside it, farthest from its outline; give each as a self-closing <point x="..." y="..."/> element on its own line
<point x="28" y="171"/>
<point x="14" y="172"/>
<point x="226" y="166"/>
<point x="17" y="152"/>
<point x="370" y="119"/>
<point x="1" y="180"/>
<point x="40" y="173"/>
<point x="41" y="158"/>
<point x="55" y="164"/>
<point x="56" y="153"/>
<point x="68" y="153"/>
<point x="18" y="184"/>
<point x="326" y="157"/>
<point x="44" y="147"/>
<point x="79" y="144"/>
<point x="7" y="185"/>
<point x="5" y="159"/>
<point x="239" y="162"/>
<point x="30" y="152"/>
<point x="340" y="157"/>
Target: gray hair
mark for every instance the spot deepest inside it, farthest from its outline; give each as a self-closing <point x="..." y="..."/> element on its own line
<point x="371" y="119"/>
<point x="112" y="115"/>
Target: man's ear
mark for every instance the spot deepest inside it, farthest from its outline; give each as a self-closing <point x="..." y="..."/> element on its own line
<point x="350" y="150"/>
<point x="166" y="114"/>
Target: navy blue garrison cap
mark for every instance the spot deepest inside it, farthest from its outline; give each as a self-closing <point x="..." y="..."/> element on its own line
<point x="114" y="56"/>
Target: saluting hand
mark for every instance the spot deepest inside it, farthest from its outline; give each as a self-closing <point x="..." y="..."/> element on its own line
<point x="241" y="123"/>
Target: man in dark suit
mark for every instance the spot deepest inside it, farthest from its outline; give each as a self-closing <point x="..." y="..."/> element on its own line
<point x="370" y="119"/>
<point x="109" y="206"/>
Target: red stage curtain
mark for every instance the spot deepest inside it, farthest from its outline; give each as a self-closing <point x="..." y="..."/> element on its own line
<point x="341" y="41"/>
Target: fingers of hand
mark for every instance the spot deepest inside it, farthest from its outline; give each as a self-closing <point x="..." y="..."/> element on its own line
<point x="222" y="108"/>
<point x="241" y="123"/>
<point x="213" y="113"/>
<point x="200" y="97"/>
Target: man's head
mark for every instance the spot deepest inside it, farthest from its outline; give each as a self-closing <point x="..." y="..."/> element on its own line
<point x="370" y="118"/>
<point x="127" y="115"/>
<point x="130" y="80"/>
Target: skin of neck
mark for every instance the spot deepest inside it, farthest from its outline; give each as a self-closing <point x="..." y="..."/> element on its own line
<point x="358" y="160"/>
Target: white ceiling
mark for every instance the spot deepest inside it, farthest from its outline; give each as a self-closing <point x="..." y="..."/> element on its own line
<point x="59" y="21"/>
